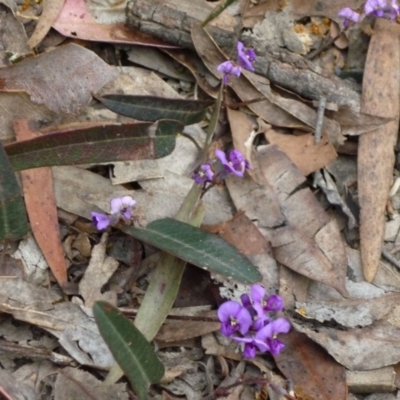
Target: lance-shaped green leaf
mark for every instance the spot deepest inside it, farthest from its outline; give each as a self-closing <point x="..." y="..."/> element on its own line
<point x="147" y="108"/>
<point x="131" y="350"/>
<point x="95" y="144"/>
<point x="201" y="248"/>
<point x="13" y="221"/>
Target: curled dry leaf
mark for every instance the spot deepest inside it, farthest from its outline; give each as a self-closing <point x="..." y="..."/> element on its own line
<point x="62" y="79"/>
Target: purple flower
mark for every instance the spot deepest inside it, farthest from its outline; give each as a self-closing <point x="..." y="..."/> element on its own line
<point x="378" y="8"/>
<point x="123" y="206"/>
<point x="205" y="174"/>
<point x="270" y="331"/>
<point x="349" y="16"/>
<point x="236" y="164"/>
<point x="262" y="305"/>
<point x="251" y="344"/>
<point x="265" y="339"/>
<point x="246" y="57"/>
<point x="228" y="68"/>
<point x="233" y="317"/>
<point x="100" y="221"/>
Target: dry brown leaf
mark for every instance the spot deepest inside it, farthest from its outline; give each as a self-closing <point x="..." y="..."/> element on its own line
<point x="310" y="243"/>
<point x="313" y="371"/>
<point x="51" y="9"/>
<point x="42" y="210"/>
<point x="381" y="88"/>
<point x="361" y="349"/>
<point x="62" y="79"/>
<point x="307" y="155"/>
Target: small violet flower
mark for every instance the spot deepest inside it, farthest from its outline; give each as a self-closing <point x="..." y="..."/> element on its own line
<point x="234" y="317"/>
<point x="236" y="164"/>
<point x="258" y="331"/>
<point x="349" y="16"/>
<point x="228" y="68"/>
<point x="121" y="207"/>
<point x="100" y="221"/>
<point x="245" y="59"/>
<point x="205" y="174"/>
<point x="380" y="9"/>
<point x="265" y="339"/>
<point x="269" y="333"/>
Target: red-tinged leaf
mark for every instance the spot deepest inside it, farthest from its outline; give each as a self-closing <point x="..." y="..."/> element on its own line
<point x="95" y="143"/>
<point x="75" y="21"/>
<point x="42" y="210"/>
<point x="316" y="375"/>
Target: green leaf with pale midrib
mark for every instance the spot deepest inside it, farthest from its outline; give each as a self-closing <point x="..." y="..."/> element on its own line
<point x="148" y="108"/>
<point x="131" y="350"/>
<point x="201" y="248"/>
<point x="96" y="144"/>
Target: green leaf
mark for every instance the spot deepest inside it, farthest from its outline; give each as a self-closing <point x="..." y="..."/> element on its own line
<point x="217" y="10"/>
<point x="131" y="350"/>
<point x="13" y="221"/>
<point x="199" y="247"/>
<point x="147" y="108"/>
<point x="103" y="143"/>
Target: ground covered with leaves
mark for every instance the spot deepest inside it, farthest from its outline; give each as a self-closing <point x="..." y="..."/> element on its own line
<point x="199" y="200"/>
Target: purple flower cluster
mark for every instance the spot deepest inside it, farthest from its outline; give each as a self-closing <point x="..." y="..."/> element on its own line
<point x="121" y="208"/>
<point x="377" y="8"/>
<point x="234" y="164"/>
<point x="252" y="321"/>
<point x="245" y="59"/>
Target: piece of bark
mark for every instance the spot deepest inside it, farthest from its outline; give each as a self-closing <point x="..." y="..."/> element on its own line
<point x="380" y="97"/>
<point x="171" y="20"/>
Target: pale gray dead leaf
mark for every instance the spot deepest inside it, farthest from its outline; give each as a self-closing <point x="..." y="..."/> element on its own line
<point x="375" y="346"/>
<point x="325" y="182"/>
<point x="65" y="89"/>
<point x="99" y="271"/>
<point x="36" y="269"/>
<point x="349" y="313"/>
<point x="77" y="333"/>
<point x="72" y="383"/>
<point x="155" y="60"/>
<point x="14" y="389"/>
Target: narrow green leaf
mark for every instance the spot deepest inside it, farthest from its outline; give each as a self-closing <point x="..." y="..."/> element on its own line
<point x="199" y="247"/>
<point x="217" y="10"/>
<point x="131" y="350"/>
<point x="147" y="108"/>
<point x="13" y="221"/>
<point x="103" y="143"/>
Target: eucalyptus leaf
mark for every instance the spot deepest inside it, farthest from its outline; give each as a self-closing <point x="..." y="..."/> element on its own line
<point x="148" y="108"/>
<point x="201" y="248"/>
<point x="13" y="221"/>
<point x="131" y="350"/>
